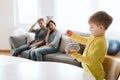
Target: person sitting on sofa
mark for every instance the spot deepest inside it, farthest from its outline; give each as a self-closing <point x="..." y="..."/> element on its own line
<point x="52" y="42"/>
<point x="96" y="46"/>
<point x="40" y="35"/>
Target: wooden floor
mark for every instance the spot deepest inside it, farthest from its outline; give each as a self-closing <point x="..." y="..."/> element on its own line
<point x="4" y="52"/>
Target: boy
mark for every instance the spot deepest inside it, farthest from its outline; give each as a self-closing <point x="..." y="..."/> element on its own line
<point x="96" y="47"/>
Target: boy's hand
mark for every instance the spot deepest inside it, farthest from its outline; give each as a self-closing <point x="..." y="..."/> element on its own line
<point x="70" y="51"/>
<point x="69" y="32"/>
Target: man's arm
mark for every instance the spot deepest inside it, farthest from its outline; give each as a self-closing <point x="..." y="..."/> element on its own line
<point x="37" y="44"/>
<point x="31" y="28"/>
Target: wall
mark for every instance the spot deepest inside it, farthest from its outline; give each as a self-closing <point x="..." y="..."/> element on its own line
<point x="7" y="19"/>
<point x="47" y="8"/>
<point x="6" y="23"/>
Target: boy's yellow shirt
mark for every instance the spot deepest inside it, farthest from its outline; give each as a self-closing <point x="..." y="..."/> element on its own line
<point x="94" y="54"/>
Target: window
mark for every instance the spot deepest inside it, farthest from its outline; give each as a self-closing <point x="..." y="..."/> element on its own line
<point x="26" y="11"/>
<point x="73" y="14"/>
<point x="112" y="8"/>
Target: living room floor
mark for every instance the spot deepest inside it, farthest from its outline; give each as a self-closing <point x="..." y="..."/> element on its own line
<point x="4" y="52"/>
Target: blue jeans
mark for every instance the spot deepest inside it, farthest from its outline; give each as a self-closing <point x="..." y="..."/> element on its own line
<point x="29" y="55"/>
<point x="22" y="48"/>
<point x="37" y="54"/>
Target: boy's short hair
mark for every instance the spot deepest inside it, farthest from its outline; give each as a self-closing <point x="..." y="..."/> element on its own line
<point x="40" y="19"/>
<point x="101" y="18"/>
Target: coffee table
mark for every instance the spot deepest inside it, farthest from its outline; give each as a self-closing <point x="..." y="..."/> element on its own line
<point x="44" y="71"/>
<point x="6" y="60"/>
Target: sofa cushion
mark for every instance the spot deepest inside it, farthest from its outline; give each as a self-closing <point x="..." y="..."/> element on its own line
<point x="48" y="57"/>
<point x="82" y="47"/>
<point x="30" y="37"/>
<point x="64" y="41"/>
<point x="17" y="41"/>
<point x="24" y="54"/>
<point x="65" y="58"/>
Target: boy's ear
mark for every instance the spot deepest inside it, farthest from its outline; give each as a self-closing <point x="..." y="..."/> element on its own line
<point x="101" y="27"/>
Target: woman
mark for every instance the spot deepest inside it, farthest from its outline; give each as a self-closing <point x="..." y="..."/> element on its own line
<point x="52" y="42"/>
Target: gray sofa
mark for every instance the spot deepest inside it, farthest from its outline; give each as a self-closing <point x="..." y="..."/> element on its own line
<point x="61" y="56"/>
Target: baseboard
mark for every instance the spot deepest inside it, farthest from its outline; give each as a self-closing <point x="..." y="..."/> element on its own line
<point x="4" y="51"/>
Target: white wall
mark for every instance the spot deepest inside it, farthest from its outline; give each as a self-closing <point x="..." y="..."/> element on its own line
<point x="6" y="22"/>
<point x="7" y="19"/>
<point x="47" y="8"/>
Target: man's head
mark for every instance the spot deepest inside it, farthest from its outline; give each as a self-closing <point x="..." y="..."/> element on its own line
<point x="41" y="22"/>
<point x="101" y="18"/>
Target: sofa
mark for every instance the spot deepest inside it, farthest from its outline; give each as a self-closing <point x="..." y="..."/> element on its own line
<point x="60" y="56"/>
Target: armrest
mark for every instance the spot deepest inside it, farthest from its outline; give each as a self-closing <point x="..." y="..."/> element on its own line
<point x="16" y="41"/>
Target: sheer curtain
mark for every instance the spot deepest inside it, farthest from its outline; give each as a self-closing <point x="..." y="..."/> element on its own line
<point x="111" y="6"/>
<point x="74" y="14"/>
<point x="26" y="11"/>
<point x="68" y="14"/>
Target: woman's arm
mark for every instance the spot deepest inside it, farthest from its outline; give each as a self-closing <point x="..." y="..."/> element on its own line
<point x="37" y="44"/>
<point x="31" y="28"/>
<point x="47" y="36"/>
<point x="56" y="39"/>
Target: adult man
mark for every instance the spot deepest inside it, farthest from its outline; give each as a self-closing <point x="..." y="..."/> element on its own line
<point x="40" y="35"/>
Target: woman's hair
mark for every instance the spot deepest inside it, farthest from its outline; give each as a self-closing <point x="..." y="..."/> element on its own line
<point x="48" y="24"/>
<point x="101" y="18"/>
<point x="50" y="21"/>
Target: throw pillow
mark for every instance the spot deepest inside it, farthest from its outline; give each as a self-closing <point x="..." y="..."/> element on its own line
<point x="64" y="41"/>
<point x="17" y="41"/>
<point x="30" y="37"/>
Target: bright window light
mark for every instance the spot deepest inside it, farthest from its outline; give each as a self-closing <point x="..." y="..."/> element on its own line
<point x="26" y="11"/>
<point x="73" y="14"/>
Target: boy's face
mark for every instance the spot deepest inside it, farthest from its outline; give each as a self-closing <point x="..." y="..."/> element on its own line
<point x="96" y="30"/>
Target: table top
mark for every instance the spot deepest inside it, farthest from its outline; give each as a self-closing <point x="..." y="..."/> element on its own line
<point x="6" y="60"/>
<point x="44" y="71"/>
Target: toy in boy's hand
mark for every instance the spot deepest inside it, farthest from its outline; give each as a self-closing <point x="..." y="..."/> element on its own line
<point x="69" y="32"/>
<point x="72" y="47"/>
